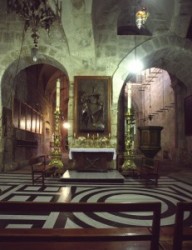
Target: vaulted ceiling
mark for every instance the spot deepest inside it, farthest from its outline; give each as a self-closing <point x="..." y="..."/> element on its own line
<point x="119" y="16"/>
<point x="87" y="25"/>
<point x="82" y="21"/>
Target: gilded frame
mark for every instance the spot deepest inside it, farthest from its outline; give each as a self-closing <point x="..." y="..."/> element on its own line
<point x="92" y="104"/>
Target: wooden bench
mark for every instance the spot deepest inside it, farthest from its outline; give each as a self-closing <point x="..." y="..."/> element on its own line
<point x="179" y="236"/>
<point x="181" y="232"/>
<point x="40" y="168"/>
<point x="149" y="170"/>
<point x="81" y="235"/>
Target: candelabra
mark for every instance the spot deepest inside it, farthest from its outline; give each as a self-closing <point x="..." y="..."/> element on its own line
<point x="129" y="154"/>
<point x="56" y="156"/>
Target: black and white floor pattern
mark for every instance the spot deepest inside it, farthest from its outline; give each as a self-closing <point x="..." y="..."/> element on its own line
<point x="18" y="187"/>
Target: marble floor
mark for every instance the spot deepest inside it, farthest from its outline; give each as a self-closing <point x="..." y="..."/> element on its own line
<point x="18" y="186"/>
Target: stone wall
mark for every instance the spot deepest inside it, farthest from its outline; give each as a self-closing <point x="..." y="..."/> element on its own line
<point x="107" y="54"/>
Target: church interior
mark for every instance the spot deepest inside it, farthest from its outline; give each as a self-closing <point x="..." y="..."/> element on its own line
<point x="95" y="107"/>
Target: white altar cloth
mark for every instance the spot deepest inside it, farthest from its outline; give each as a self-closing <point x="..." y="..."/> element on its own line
<point x="102" y="150"/>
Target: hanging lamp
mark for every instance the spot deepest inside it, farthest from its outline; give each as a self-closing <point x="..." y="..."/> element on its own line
<point x="141" y="17"/>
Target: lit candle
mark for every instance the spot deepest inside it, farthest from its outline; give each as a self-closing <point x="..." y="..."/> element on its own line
<point x="58" y="95"/>
<point x="129" y="96"/>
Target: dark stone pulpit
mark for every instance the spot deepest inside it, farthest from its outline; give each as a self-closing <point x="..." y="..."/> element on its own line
<point x="150" y="140"/>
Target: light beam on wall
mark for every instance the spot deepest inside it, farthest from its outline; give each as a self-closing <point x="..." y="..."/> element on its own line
<point x="66" y="125"/>
<point x="136" y="66"/>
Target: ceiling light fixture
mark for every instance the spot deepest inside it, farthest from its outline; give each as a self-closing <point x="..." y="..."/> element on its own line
<point x="141" y="17"/>
<point x="37" y="14"/>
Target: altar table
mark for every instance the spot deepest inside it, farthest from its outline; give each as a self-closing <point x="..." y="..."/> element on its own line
<point x="92" y="159"/>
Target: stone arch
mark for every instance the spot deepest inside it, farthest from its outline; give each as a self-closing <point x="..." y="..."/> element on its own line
<point x="12" y="66"/>
<point x="172" y="54"/>
<point x="17" y="60"/>
<point x="167" y="52"/>
<point x="19" y="64"/>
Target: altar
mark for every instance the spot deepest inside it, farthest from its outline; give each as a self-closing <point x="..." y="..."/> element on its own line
<point x="93" y="159"/>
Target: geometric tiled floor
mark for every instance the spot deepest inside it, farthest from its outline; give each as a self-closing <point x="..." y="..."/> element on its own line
<point x="18" y="187"/>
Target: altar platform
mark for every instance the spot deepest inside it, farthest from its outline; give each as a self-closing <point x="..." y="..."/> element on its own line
<point x="110" y="176"/>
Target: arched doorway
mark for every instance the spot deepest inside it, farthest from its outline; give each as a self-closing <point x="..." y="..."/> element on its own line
<point x="152" y="104"/>
<point x="28" y="107"/>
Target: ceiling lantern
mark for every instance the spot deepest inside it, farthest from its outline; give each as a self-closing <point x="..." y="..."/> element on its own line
<point x="141" y="17"/>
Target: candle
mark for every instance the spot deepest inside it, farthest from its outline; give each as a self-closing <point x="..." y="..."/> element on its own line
<point x="129" y="96"/>
<point x="88" y="135"/>
<point x="58" y="95"/>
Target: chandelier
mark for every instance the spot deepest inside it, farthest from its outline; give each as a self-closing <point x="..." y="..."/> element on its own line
<point x="36" y="14"/>
<point x="141" y="17"/>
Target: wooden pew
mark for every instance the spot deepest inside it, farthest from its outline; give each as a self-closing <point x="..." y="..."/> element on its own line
<point x="40" y="168"/>
<point x="80" y="235"/>
<point x="181" y="232"/>
<point x="179" y="236"/>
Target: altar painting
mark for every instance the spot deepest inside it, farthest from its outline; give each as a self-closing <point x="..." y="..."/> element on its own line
<point x="92" y="105"/>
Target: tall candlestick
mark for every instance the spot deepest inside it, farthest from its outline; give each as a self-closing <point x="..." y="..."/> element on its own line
<point x="58" y="95"/>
